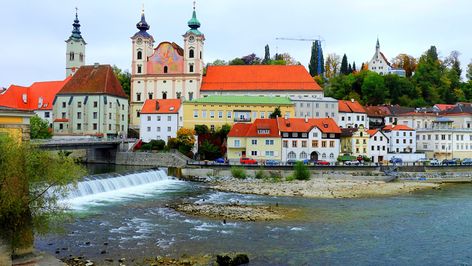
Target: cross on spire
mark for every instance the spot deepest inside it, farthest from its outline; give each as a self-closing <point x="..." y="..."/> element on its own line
<point x="194" y="3"/>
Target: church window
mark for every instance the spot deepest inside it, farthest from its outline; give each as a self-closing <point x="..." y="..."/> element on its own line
<point x="150" y="96"/>
<point x="191" y="53"/>
<point x="81" y="57"/>
<point x="139" y="68"/>
<point x="138" y="97"/>
<point x="164" y="95"/>
<point x="178" y="95"/>
<point x="190" y="96"/>
<point x="166" y="69"/>
<point x="191" y="68"/>
<point x="200" y="55"/>
<point x="71" y="56"/>
<point x="140" y="55"/>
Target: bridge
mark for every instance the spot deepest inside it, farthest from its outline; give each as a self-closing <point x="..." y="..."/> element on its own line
<point x="97" y="150"/>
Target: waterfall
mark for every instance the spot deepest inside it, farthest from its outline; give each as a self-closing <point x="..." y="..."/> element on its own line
<point x="93" y="185"/>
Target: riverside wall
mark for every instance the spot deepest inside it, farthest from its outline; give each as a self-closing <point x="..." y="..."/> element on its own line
<point x="155" y="159"/>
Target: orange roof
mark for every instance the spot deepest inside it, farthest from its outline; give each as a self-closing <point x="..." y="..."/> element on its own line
<point x="325" y="125"/>
<point x="352" y="106"/>
<point x="377" y="111"/>
<point x="252" y="130"/>
<point x="397" y="127"/>
<point x="61" y="120"/>
<point x="39" y="96"/>
<point x="98" y="79"/>
<point x="258" y="77"/>
<point x="239" y="130"/>
<point x="444" y="107"/>
<point x="167" y="106"/>
<point x="372" y="131"/>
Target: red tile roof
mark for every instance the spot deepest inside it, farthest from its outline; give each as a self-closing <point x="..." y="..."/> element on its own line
<point x="39" y="96"/>
<point x="377" y="111"/>
<point x="94" y="80"/>
<point x="444" y="107"/>
<point x="398" y="128"/>
<point x="258" y="77"/>
<point x="372" y="131"/>
<point x="252" y="130"/>
<point x="345" y="106"/>
<point x="239" y="130"/>
<point x="167" y="106"/>
<point x="325" y="125"/>
<point x="61" y="120"/>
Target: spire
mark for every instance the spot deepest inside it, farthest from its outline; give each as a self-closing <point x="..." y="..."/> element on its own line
<point x="378" y="44"/>
<point x="142" y="24"/>
<point x="193" y="23"/>
<point x="76" y="35"/>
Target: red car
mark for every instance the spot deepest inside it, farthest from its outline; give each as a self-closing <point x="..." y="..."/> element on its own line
<point x="245" y="160"/>
<point x="321" y="162"/>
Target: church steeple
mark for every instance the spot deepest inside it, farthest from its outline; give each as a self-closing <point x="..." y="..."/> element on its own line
<point x="76" y="34"/>
<point x="75" y="50"/>
<point x="193" y="23"/>
<point x="143" y="27"/>
<point x="377" y="47"/>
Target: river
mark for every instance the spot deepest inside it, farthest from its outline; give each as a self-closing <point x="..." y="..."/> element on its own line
<point x="432" y="227"/>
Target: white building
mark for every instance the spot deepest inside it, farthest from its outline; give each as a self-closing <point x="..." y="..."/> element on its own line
<point x="378" y="146"/>
<point x="401" y="139"/>
<point x="315" y="107"/>
<point x="309" y="139"/>
<point x="351" y="114"/>
<point x="167" y="71"/>
<point x="160" y="119"/>
<point x="380" y="64"/>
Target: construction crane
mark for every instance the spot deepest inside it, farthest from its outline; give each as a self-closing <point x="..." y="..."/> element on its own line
<point x="316" y="41"/>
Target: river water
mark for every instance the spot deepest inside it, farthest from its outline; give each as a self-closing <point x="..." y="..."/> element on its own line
<point x="425" y="228"/>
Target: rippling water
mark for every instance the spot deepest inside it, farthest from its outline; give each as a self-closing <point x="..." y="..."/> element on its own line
<point x="425" y="228"/>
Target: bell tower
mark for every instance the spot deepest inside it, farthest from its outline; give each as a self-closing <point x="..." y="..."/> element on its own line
<point x="143" y="44"/>
<point x="75" y="51"/>
<point x="193" y="46"/>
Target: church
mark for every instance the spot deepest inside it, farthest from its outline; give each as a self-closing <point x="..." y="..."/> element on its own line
<point x="165" y="71"/>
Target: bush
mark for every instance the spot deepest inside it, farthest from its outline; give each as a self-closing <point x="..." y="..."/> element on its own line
<point x="275" y="176"/>
<point x="301" y="171"/>
<point x="260" y="174"/>
<point x="238" y="172"/>
<point x="157" y="144"/>
<point x="290" y="178"/>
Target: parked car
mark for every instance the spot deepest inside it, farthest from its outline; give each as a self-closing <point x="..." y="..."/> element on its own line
<point x="434" y="162"/>
<point x="321" y="162"/>
<point x="448" y="162"/>
<point x="422" y="160"/>
<point x="293" y="161"/>
<point x="220" y="160"/>
<point x="395" y="160"/>
<point x="352" y="163"/>
<point x="272" y="163"/>
<point x="246" y="160"/>
<point x="467" y="161"/>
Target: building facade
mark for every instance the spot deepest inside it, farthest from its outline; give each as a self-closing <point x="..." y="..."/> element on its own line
<point x="259" y="140"/>
<point x="75" y="51"/>
<point x="216" y="111"/>
<point x="351" y="114"/>
<point x="91" y="103"/>
<point x="167" y="71"/>
<point x="401" y="139"/>
<point x="315" y="107"/>
<point x="15" y="123"/>
<point x="355" y="141"/>
<point x="160" y="119"/>
<point x="378" y="146"/>
<point x="309" y="139"/>
<point x="381" y="65"/>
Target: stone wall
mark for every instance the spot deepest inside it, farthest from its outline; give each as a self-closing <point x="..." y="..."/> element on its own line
<point x="5" y="255"/>
<point x="161" y="159"/>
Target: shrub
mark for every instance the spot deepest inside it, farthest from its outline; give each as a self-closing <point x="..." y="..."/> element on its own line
<point x="290" y="178"/>
<point x="301" y="171"/>
<point x="238" y="172"/>
<point x="260" y="174"/>
<point x="275" y="176"/>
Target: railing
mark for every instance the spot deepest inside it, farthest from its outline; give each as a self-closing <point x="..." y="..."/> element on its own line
<point x="242" y="119"/>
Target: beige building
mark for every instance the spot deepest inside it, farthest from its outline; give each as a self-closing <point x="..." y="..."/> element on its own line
<point x="91" y="103"/>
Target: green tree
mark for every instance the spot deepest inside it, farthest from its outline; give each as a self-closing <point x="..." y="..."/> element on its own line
<point x="186" y="139"/>
<point x="266" y="55"/>
<point x="218" y="62"/>
<point x="469" y="72"/>
<point x="201" y="129"/>
<point x="401" y="90"/>
<point x="209" y="151"/>
<point x="354" y="67"/>
<point x="31" y="181"/>
<point x="39" y="128"/>
<point x="276" y="113"/>
<point x="301" y="172"/>
<point x="236" y="61"/>
<point x="344" y="66"/>
<point x="428" y="77"/>
<point x="312" y="67"/>
<point x="223" y="131"/>
<point x="124" y="77"/>
<point x="373" y="89"/>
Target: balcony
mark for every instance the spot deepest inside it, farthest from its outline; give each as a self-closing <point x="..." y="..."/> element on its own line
<point x="242" y="119"/>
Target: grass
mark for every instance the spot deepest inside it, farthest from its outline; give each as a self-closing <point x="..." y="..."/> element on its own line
<point x="238" y="172"/>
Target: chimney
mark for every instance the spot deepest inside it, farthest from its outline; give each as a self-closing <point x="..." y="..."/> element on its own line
<point x="157" y="105"/>
<point x="352" y="100"/>
<point x="306" y="119"/>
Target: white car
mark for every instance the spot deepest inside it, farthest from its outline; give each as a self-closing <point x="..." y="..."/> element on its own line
<point x="422" y="160"/>
<point x="434" y="162"/>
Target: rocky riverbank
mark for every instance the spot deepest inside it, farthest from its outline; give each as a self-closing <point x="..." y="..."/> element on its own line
<point x="235" y="211"/>
<point x="320" y="187"/>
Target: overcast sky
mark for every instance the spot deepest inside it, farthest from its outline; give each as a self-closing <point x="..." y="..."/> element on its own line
<point x="32" y="33"/>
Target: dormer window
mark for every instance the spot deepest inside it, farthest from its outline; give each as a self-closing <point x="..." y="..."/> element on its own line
<point x="263" y="131"/>
<point x="25" y="98"/>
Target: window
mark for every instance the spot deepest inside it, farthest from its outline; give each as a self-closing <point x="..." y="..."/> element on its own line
<point x="237" y="143"/>
<point x="331" y="155"/>
<point x="253" y="153"/>
<point x="95" y="104"/>
<point x="294" y="143"/>
<point x="269" y="142"/>
<point x="79" y="104"/>
<point x="315" y="134"/>
<point x="109" y="126"/>
<point x="139" y="69"/>
<point x="150" y="95"/>
<point x="164" y="95"/>
<point x="228" y="114"/>
<point x="212" y="114"/>
<point x="220" y="114"/>
<point x="204" y="114"/>
<point x="46" y="114"/>
<point x="304" y="143"/>
<point x="79" y="126"/>
<point x="285" y="143"/>
<point x="169" y="129"/>
<point x="138" y="97"/>
<point x="71" y="56"/>
<point x="109" y="116"/>
<point x="323" y="144"/>
<point x="79" y="115"/>
<point x="285" y="135"/>
<point x="254" y="115"/>
<point x="148" y="118"/>
<point x="323" y="156"/>
<point x="191" y="53"/>
<point x="178" y="95"/>
<point x="190" y="69"/>
<point x="254" y="142"/>
<point x="61" y="126"/>
<point x="314" y="144"/>
<point x="303" y="155"/>
<point x="122" y="117"/>
<point x="138" y="113"/>
<point x="331" y="143"/>
<point x="263" y="131"/>
<point x="212" y="128"/>
<point x="291" y="155"/>
<point x="158" y="129"/>
<point x="158" y="118"/>
<point x="190" y="96"/>
<point x="269" y="153"/>
<point x="166" y="69"/>
<point x="140" y="55"/>
<point x="63" y="104"/>
<point x="195" y="113"/>
<point x="148" y="129"/>
<point x="262" y="114"/>
<point x="95" y="126"/>
<point x="169" y="118"/>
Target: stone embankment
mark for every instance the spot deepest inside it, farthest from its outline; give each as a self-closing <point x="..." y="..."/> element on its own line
<point x="156" y="159"/>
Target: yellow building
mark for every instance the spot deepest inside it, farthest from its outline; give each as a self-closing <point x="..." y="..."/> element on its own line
<point x="215" y="111"/>
<point x="15" y="123"/>
<point x="260" y="141"/>
<point x="355" y="141"/>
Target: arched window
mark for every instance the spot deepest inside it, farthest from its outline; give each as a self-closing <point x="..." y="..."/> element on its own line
<point x="191" y="53"/>
<point x="323" y="156"/>
<point x="166" y="69"/>
<point x="139" y="69"/>
<point x="291" y="155"/>
<point x="200" y="55"/>
<point x="164" y="95"/>
<point x="190" y="68"/>
<point x="81" y="57"/>
<point x="303" y="155"/>
<point x="140" y="55"/>
<point x="331" y="155"/>
<point x="71" y="56"/>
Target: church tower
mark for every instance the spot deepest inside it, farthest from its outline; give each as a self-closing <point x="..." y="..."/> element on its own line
<point x="193" y="46"/>
<point x="75" y="51"/>
<point x="143" y="44"/>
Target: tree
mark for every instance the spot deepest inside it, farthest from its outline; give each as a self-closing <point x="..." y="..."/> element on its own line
<point x="428" y="77"/>
<point x="288" y="59"/>
<point x="39" y="128"/>
<point x="223" y="131"/>
<point x="344" y="66"/>
<point x="349" y="69"/>
<point x="124" y="77"/>
<point x="266" y="55"/>
<point x="301" y="171"/>
<point x="332" y="65"/>
<point x="316" y="66"/>
<point x="31" y="181"/>
<point x="186" y="139"/>
<point x="209" y="151"/>
<point x="218" y="62"/>
<point x="201" y="129"/>
<point x="354" y="67"/>
<point x="469" y="72"/>
<point x="236" y="61"/>
<point x="405" y="62"/>
<point x="276" y="113"/>
<point x="251" y="59"/>
<point x="373" y="89"/>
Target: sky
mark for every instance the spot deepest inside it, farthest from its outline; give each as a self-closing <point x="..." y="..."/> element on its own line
<point x="32" y="33"/>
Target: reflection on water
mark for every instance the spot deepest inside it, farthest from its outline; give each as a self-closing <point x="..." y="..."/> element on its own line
<point x="430" y="227"/>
